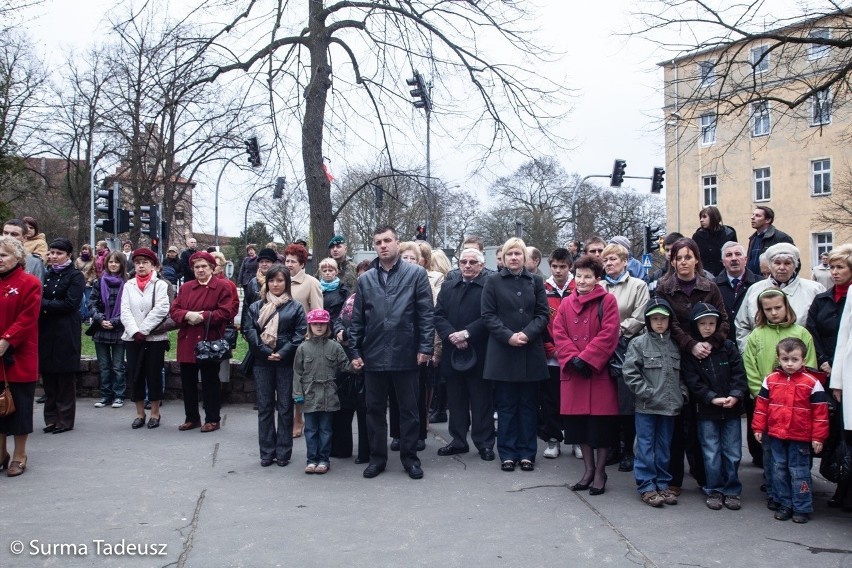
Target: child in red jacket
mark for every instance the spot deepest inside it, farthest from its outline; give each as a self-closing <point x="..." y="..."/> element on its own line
<point x="792" y="408"/>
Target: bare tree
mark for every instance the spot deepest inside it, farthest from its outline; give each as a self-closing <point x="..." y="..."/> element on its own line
<point x="837" y="207"/>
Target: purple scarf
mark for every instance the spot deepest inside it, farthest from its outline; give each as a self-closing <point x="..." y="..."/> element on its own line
<point x="110" y="281"/>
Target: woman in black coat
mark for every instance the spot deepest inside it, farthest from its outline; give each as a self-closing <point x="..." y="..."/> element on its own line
<point x="710" y="237"/>
<point x="59" y="328"/>
<point x="515" y="311"/>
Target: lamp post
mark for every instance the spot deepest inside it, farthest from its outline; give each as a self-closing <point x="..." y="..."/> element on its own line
<point x="421" y="93"/>
<point x="216" y="206"/>
<point x="92" y="182"/>
<point x="245" y="218"/>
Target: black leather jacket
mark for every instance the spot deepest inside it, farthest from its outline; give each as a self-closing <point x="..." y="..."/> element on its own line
<point x="292" y="327"/>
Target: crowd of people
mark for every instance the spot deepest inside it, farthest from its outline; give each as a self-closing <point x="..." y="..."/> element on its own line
<point x="650" y="370"/>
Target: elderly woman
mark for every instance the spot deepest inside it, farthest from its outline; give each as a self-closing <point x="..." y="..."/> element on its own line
<point x="632" y="296"/>
<point x="710" y="237"/>
<point x="515" y="311"/>
<point x="202" y="309"/>
<point x="275" y="326"/>
<point x="585" y="333"/>
<point x="144" y="306"/>
<point x="334" y="293"/>
<point x="59" y="336"/>
<point x="458" y="322"/>
<point x="20" y="302"/>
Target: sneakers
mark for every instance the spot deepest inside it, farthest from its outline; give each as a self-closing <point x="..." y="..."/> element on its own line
<point x="733" y="502"/>
<point x="669" y="497"/>
<point x="578" y="453"/>
<point x="653" y="499"/>
<point x="714" y="501"/>
<point x="783" y="514"/>
<point x="311" y="468"/>
<point x="553" y="449"/>
<point x="118" y="403"/>
<point x="103" y="402"/>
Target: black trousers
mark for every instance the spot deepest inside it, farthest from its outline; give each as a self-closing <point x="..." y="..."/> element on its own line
<point x="754" y="447"/>
<point x="405" y="388"/>
<point x="60" y="406"/>
<point x="470" y="400"/>
<point x="685" y="443"/>
<point x="549" y="419"/>
<point x="145" y="369"/>
<point x="341" y="433"/>
<point x="422" y="411"/>
<point x="209" y="391"/>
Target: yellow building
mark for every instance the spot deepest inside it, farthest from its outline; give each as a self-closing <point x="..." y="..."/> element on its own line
<point x="733" y="141"/>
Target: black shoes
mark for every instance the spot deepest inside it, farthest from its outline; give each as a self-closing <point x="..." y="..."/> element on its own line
<point x="41" y="399"/>
<point x="138" y="423"/>
<point x="437" y="418"/>
<point x="395" y="445"/>
<point x="373" y="470"/>
<point x="153" y="422"/>
<point x="421" y="445"/>
<point x="266" y="462"/>
<point x="486" y="454"/>
<point x="508" y="465"/>
<point x="282" y="462"/>
<point x="527" y="465"/>
<point x="414" y="471"/>
<point x="451" y="450"/>
<point x="598" y="490"/>
<point x="60" y="429"/>
<point x="783" y="514"/>
<point x="580" y="486"/>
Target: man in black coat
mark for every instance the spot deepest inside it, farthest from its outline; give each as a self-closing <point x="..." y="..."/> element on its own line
<point x="458" y="321"/>
<point x="765" y="235"/>
<point x="392" y="334"/>
<point x="188" y="273"/>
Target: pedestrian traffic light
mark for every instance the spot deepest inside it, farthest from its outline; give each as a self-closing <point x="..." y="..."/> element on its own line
<point x="122" y="222"/>
<point x="657" y="180"/>
<point x="253" y="150"/>
<point x="150" y="220"/>
<point x="380" y="195"/>
<point x="652" y="237"/>
<point x="278" y="192"/>
<point x="106" y="198"/>
<point x="164" y="235"/>
<point x="421" y="235"/>
<point x="419" y="93"/>
<point x="617" y="177"/>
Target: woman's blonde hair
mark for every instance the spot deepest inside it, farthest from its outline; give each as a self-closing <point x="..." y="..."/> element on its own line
<point x="616" y="249"/>
<point x="843" y="253"/>
<point x="440" y="262"/>
<point x="329" y="261"/>
<point x="512" y="243"/>
<point x="14" y="247"/>
<point x="406" y="246"/>
<point x="425" y="254"/>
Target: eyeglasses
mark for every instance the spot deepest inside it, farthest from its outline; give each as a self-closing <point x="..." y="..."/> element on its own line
<point x="595" y="251"/>
<point x="466" y="262"/>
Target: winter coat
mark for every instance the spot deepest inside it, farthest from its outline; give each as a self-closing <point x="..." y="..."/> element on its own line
<point x="333" y="300"/>
<point x="317" y="363"/>
<point x="792" y="407"/>
<point x="771" y="236"/>
<point x="215" y="302"/>
<point x="511" y="304"/>
<point x="705" y="291"/>
<point x="235" y="302"/>
<point x="652" y="370"/>
<point x="734" y="298"/>
<point x="143" y="310"/>
<point x="800" y="294"/>
<point x="459" y="308"/>
<point x="251" y="294"/>
<point x="186" y="270"/>
<point x="60" y="322"/>
<point x="822" y="274"/>
<point x="554" y="298"/>
<point x="632" y="296"/>
<point x="292" y="327"/>
<point x="710" y="247"/>
<point x="306" y="290"/>
<point x="97" y="309"/>
<point x="20" y="303"/>
<point x="587" y="326"/>
<point x="248" y="270"/>
<point x="841" y="368"/>
<point x="759" y="356"/>
<point x="87" y="267"/>
<point x="37" y="246"/>
<point x="392" y="318"/>
<point x="824" y="324"/>
<point x="175" y="271"/>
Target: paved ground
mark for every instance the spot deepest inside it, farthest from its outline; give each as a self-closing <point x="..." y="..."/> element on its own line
<point x="206" y="502"/>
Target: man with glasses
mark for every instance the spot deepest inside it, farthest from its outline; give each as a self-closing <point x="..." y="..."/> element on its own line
<point x="595" y="245"/>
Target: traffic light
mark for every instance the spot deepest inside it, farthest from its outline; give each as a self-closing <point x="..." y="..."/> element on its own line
<point x="122" y="222"/>
<point x="253" y="150"/>
<point x="421" y="235"/>
<point x="278" y="192"/>
<point x="419" y="93"/>
<point x="150" y="220"/>
<point x="107" y="205"/>
<point x="617" y="177"/>
<point x="380" y="195"/>
<point x="657" y="180"/>
<point x="164" y="235"/>
<point x="652" y="237"/>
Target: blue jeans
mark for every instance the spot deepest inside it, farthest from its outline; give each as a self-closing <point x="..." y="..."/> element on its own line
<point x="274" y="391"/>
<point x="517" y="419"/>
<point x="318" y="436"/>
<point x="722" y="446"/>
<point x="111" y="364"/>
<point x="791" y="473"/>
<point x="653" y="451"/>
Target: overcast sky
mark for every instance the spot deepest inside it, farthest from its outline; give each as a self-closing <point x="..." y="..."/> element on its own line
<point x="616" y="113"/>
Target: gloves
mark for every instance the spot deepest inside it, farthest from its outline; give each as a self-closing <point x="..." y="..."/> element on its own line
<point x="138" y="337"/>
<point x="581" y="367"/>
<point x="299" y="399"/>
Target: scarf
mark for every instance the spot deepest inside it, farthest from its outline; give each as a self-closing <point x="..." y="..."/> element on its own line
<point x="268" y="318"/>
<point x="840" y="291"/>
<point x="785" y="284"/>
<point x="101" y="260"/>
<point x="111" y="281"/>
<point x="330" y="286"/>
<point x="142" y="281"/>
<point x="60" y="267"/>
<point x="618" y="279"/>
<point x="261" y="279"/>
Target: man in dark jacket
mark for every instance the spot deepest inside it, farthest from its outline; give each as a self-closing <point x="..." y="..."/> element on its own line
<point x="733" y="281"/>
<point x="393" y="334"/>
<point x="188" y="274"/>
<point x="765" y="235"/>
<point x="248" y="268"/>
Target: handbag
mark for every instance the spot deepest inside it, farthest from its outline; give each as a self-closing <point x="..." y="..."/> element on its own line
<point x="7" y="403"/>
<point x="836" y="462"/>
<point x="230" y="335"/>
<point x="212" y="350"/>
<point x="616" y="361"/>
<point x="168" y="324"/>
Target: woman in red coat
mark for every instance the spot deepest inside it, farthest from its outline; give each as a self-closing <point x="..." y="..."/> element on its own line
<point x="20" y="304"/>
<point x="202" y="303"/>
<point x="585" y="332"/>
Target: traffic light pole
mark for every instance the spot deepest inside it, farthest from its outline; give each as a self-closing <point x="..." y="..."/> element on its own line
<point x="216" y="201"/>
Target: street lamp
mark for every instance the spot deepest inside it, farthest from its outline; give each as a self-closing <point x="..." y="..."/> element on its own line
<point x="92" y="181"/>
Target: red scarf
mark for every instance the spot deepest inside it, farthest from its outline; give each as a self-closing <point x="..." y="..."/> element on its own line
<point x="142" y="281"/>
<point x="840" y="291"/>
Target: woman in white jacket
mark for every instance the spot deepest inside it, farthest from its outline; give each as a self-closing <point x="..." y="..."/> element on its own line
<point x="144" y="306"/>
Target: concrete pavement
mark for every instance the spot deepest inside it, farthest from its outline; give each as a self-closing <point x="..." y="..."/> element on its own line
<point x="202" y="500"/>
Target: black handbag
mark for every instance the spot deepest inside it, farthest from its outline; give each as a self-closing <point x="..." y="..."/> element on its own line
<point x="616" y="361"/>
<point x="836" y="462"/>
<point x="231" y="335"/>
<point x="212" y="350"/>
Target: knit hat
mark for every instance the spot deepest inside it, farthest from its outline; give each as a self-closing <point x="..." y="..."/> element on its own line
<point x="336" y="240"/>
<point x="783" y="249"/>
<point x="203" y="255"/>
<point x="61" y="243"/>
<point x="620" y="240"/>
<point x="145" y="252"/>
<point x="267" y="254"/>
<point x="318" y="316"/>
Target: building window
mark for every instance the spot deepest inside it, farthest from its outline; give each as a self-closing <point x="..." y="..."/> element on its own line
<point x="708" y="183"/>
<point x="762" y="185"/>
<point x="821" y="176"/>
<point x="821" y="108"/>
<point x="817" y="51"/>
<point x="761" y="123"/>
<point x="822" y="243"/>
<point x="179" y="218"/>
<point x="707" y="73"/>
<point x="759" y="59"/>
<point x="708" y="129"/>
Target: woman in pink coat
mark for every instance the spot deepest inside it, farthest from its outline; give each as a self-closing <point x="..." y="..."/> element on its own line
<point x="585" y="332"/>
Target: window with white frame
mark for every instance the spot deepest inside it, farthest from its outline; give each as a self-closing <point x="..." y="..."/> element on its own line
<point x="818" y="51"/>
<point x="708" y="129"/>
<point x="710" y="190"/>
<point x="179" y="217"/>
<point x="822" y="243"/>
<point x="761" y="123"/>
<point x="762" y="185"/>
<point x="707" y="72"/>
<point x="821" y="108"/>
<point x="759" y="58"/>
<point x="821" y="176"/>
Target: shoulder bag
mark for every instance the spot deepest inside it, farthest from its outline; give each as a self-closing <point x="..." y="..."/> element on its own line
<point x="7" y="403"/>
<point x="616" y="362"/>
<point x="212" y="350"/>
<point x="168" y="324"/>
